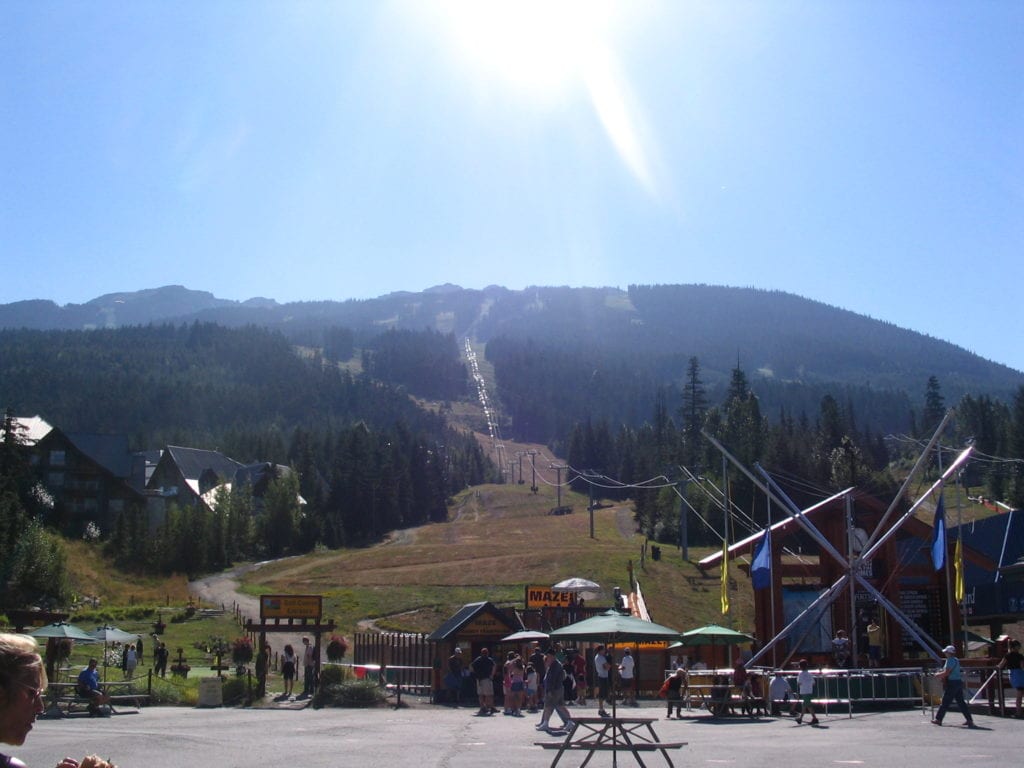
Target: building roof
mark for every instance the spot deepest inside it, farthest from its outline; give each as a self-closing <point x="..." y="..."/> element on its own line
<point x="192" y="462"/>
<point x="109" y="451"/>
<point x="34" y="428"/>
<point x="466" y="615"/>
<point x="1000" y="537"/>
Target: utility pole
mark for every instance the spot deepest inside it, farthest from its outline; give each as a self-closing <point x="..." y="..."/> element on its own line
<point x="558" y="468"/>
<point x="590" y="506"/>
<point x="684" y="539"/>
<point x="533" y="467"/>
<point x="519" y="455"/>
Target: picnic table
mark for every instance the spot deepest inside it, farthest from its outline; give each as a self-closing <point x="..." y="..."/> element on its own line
<point x="635" y="735"/>
<point x="120" y="692"/>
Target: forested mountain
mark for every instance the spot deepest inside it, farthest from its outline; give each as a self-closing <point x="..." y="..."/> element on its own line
<point x="619" y="383"/>
<point x="369" y="460"/>
<point x="774" y="335"/>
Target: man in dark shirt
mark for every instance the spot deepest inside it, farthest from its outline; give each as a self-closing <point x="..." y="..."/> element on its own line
<point x="483" y="671"/>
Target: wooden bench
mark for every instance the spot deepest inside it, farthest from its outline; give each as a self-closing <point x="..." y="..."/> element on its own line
<point x="71" y="701"/>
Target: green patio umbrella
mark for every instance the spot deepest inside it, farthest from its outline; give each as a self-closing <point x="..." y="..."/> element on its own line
<point x="613" y="627"/>
<point x="713" y="634"/>
<point x="63" y="631"/>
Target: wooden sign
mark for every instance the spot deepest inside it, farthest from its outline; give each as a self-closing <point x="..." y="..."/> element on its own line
<point x="291" y="607"/>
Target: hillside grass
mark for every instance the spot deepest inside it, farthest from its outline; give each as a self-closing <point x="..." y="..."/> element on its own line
<point x="499" y="540"/>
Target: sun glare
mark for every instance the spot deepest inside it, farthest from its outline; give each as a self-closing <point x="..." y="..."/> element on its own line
<point x="540" y="47"/>
<point x="545" y="48"/>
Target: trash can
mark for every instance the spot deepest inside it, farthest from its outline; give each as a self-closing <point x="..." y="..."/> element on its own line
<point x="655" y="552"/>
<point x="210" y="692"/>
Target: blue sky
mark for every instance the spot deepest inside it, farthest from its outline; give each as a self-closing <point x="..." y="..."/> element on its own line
<point x="864" y="154"/>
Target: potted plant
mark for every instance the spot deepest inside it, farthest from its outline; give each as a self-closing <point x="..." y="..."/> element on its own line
<point x="337" y="647"/>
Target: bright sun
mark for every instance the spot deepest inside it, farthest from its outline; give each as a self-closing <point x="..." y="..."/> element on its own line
<point x="542" y="47"/>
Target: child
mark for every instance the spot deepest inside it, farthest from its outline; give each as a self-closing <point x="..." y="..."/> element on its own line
<point x="531" y="688"/>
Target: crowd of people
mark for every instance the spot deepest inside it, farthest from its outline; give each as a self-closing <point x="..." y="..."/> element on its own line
<point x="545" y="681"/>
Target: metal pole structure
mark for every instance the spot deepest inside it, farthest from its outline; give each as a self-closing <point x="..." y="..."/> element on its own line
<point x="590" y="505"/>
<point x="906" y="483"/>
<point x="725" y="537"/>
<point x="870" y="551"/>
<point x="853" y="587"/>
<point x="905" y="621"/>
<point x="684" y="539"/>
<point x="819" y="605"/>
<point x="771" y="587"/>
<point x="558" y="483"/>
<point x="533" y="468"/>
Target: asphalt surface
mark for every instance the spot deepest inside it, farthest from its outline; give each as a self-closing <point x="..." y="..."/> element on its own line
<point x="425" y="736"/>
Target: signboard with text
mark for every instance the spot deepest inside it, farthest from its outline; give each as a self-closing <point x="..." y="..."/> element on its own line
<point x="546" y="597"/>
<point x="291" y="607"/>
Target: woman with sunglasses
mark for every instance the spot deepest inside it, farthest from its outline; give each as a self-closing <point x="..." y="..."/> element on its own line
<point x="22" y="683"/>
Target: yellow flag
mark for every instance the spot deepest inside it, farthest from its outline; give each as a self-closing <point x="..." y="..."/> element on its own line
<point x="958" y="559"/>
<point x="725" y="576"/>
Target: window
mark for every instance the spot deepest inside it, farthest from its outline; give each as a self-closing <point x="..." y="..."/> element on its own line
<point x="56" y="458"/>
<point x="55" y="479"/>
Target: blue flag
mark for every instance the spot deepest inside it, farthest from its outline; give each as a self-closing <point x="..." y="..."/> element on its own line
<point x="761" y="568"/>
<point x="939" y="536"/>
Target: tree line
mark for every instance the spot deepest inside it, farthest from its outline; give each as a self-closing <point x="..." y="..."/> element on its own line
<point x="815" y="457"/>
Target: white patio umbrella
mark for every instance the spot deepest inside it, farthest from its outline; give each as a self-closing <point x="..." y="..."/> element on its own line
<point x="107" y="634"/>
<point x="525" y="635"/>
<point x="585" y="588"/>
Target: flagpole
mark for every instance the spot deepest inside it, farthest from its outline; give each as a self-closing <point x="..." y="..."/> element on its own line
<point x="959" y="559"/>
<point x="945" y="560"/>
<point x="771" y="579"/>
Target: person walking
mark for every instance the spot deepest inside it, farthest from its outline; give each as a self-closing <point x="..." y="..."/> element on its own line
<point x="1014" y="662"/>
<point x="675" y="691"/>
<point x="953" y="679"/>
<point x="554" y="693"/>
<point x="601" y="669"/>
<point x="805" y="682"/>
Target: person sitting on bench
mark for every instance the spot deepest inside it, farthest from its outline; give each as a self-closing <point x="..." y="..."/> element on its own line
<point x="89" y="687"/>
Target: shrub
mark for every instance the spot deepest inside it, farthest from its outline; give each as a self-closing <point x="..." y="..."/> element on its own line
<point x="350" y="693"/>
<point x="235" y="691"/>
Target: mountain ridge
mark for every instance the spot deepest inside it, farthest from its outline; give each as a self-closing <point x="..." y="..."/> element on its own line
<point x="781" y="337"/>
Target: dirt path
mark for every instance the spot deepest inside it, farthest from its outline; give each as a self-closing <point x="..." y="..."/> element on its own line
<point x="222" y="589"/>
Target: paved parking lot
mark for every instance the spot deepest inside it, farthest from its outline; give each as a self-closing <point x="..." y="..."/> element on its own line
<point x="426" y="736"/>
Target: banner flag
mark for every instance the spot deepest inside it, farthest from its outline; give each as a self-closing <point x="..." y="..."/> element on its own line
<point x="761" y="568"/>
<point x="939" y="536"/>
<point x="958" y="563"/>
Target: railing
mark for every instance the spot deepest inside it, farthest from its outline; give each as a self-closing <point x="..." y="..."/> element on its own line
<point x="839" y="687"/>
